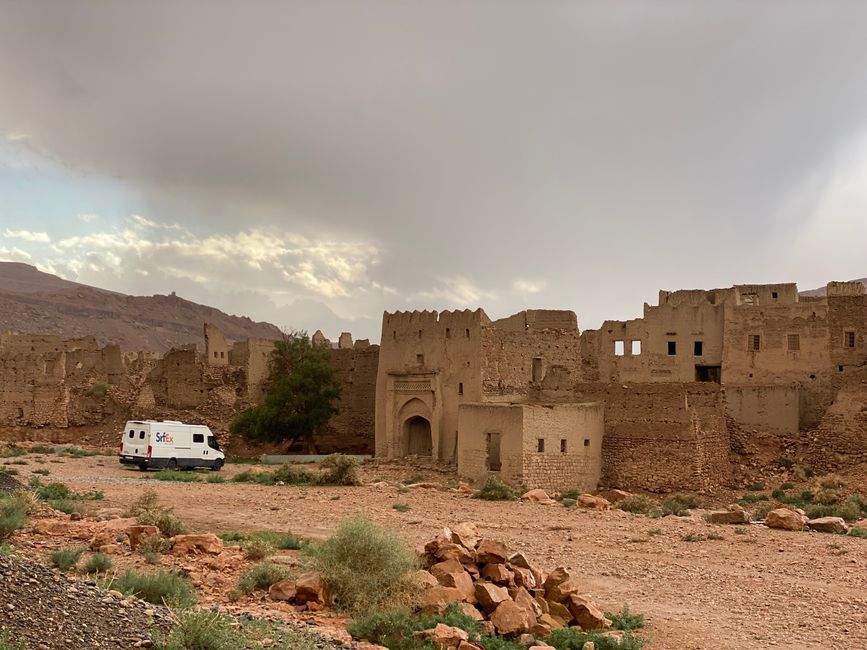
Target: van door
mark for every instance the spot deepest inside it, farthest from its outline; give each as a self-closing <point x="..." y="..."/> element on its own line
<point x="200" y="449"/>
<point x="135" y="439"/>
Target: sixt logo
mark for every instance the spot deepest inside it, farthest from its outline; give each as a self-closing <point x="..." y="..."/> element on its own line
<point x="165" y="437"/>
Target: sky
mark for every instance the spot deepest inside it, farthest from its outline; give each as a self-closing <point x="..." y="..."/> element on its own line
<point x="315" y="163"/>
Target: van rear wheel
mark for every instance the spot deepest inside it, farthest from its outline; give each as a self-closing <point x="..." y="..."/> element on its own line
<point x="172" y="464"/>
<point x="218" y="465"/>
<point x="143" y="467"/>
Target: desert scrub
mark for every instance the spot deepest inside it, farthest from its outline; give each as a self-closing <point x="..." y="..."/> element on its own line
<point x="338" y="469"/>
<point x="401" y="507"/>
<point x="858" y="532"/>
<point x="98" y="563"/>
<point x="568" y="502"/>
<point x="626" y="620"/>
<point x="148" y="512"/>
<point x="282" y="541"/>
<point x="258" y="549"/>
<point x="367" y="567"/>
<point x="201" y="629"/>
<point x="261" y="576"/>
<point x="678" y="505"/>
<point x="13" y="514"/>
<point x="160" y="587"/>
<point x="66" y="558"/>
<point x="637" y="504"/>
<point x="177" y="476"/>
<point x="6" y="642"/>
<point x="152" y="544"/>
<point x="493" y="489"/>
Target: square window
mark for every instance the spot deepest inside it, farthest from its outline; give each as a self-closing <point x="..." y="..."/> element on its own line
<point x="636" y="348"/>
<point x="199" y="438"/>
<point x="586" y="442"/>
<point x="419" y="359"/>
<point x="774" y="295"/>
<point x="619" y="348"/>
<point x="540" y="445"/>
<point x="754" y="342"/>
<point x="672" y="348"/>
<point x="562" y="445"/>
<point x="794" y="342"/>
<point x="698" y="348"/>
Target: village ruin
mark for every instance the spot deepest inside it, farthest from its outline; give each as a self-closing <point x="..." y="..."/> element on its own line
<point x="657" y="403"/>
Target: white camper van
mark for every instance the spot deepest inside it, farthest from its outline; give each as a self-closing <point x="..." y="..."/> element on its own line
<point x="169" y="444"/>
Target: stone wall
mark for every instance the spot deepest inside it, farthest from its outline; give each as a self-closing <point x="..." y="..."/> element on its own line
<point x="767" y="408"/>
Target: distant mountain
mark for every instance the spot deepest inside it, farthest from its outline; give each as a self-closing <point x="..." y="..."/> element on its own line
<point x="821" y="290"/>
<point x="40" y="303"/>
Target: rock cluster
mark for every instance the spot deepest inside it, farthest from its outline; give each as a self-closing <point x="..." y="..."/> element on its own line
<point x="309" y="592"/>
<point x="503" y="590"/>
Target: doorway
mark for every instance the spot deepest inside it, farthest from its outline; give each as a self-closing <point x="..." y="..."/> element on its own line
<point x="418" y="436"/>
<point x="708" y="373"/>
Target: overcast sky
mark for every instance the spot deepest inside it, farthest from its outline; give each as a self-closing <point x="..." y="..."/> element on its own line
<point x="312" y="164"/>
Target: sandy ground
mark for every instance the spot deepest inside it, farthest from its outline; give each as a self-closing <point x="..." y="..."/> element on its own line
<point x="758" y="589"/>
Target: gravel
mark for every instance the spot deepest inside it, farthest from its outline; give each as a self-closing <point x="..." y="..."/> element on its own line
<point x="42" y="610"/>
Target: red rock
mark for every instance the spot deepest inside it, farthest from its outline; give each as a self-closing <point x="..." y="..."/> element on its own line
<point x="469" y="610"/>
<point x="102" y="538"/>
<point x="310" y="587"/>
<point x="586" y="614"/>
<point x="283" y="590"/>
<point x="498" y="574"/>
<point x="560" y="592"/>
<point x="509" y="619"/>
<point x="457" y="552"/>
<point x="462" y="582"/>
<point x="490" y="595"/>
<point x="466" y="534"/>
<point x="829" y="525"/>
<point x="491" y="552"/>
<point x="729" y="516"/>
<point x="524" y="578"/>
<point x="558" y="575"/>
<point x="526" y="602"/>
<point x="436" y="600"/>
<point x="136" y="533"/>
<point x="559" y="612"/>
<point x="613" y="496"/>
<point x="443" y="636"/>
<point x="425" y="579"/>
<point x="538" y="496"/>
<point x="197" y="543"/>
<point x="596" y="503"/>
<point x="466" y="645"/>
<point x="785" y="519"/>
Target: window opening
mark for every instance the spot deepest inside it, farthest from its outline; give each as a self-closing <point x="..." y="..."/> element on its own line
<point x="754" y="342"/>
<point x="619" y="348"/>
<point x="794" y="342"/>
<point x="141" y="435"/>
<point x="636" y="348"/>
<point x="131" y="433"/>
<point x="198" y="438"/>
<point x="419" y="359"/>
<point x="849" y="339"/>
<point x="562" y="445"/>
<point x="537" y="369"/>
<point x="672" y="348"/>
<point x="586" y="442"/>
<point x="493" y="444"/>
<point x="460" y="388"/>
<point x="540" y="445"/>
<point x="698" y="349"/>
<point x="213" y="444"/>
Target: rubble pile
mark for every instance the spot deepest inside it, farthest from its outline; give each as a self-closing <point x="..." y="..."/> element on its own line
<point x="504" y="591"/>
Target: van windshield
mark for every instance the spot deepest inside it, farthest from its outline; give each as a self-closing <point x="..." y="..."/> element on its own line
<point x="212" y="443"/>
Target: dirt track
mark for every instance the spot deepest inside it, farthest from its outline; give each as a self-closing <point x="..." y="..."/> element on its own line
<point x="759" y="589"/>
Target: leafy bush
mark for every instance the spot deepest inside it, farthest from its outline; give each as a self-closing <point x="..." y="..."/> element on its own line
<point x="177" y="476"/>
<point x="568" y="502"/>
<point x="637" y="503"/>
<point x="858" y="532"/>
<point x="13" y="514"/>
<point x="6" y="642"/>
<point x="261" y="576"/>
<point x="11" y="451"/>
<point x="752" y="498"/>
<point x="98" y="390"/>
<point x="401" y="507"/>
<point x="292" y="475"/>
<point x="851" y="510"/>
<point x="572" y="638"/>
<point x="66" y="558"/>
<point x="760" y="512"/>
<point x="367" y="567"/>
<point x="232" y="536"/>
<point x="42" y="471"/>
<point x="152" y="544"/>
<point x="215" y="478"/>
<point x="338" y="469"/>
<point x="412" y="479"/>
<point x="98" y="563"/>
<point x="161" y="587"/>
<point x="202" y="629"/>
<point x="65" y="506"/>
<point x="54" y="492"/>
<point x="831" y="482"/>
<point x="494" y="489"/>
<point x="756" y="487"/>
<point x="148" y="512"/>
<point x="570" y="494"/>
<point x="258" y="549"/>
<point x="787" y="486"/>
<point x="678" y="505"/>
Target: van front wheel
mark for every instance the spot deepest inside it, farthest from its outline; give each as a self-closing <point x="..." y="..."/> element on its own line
<point x="172" y="464"/>
<point x="218" y="465"/>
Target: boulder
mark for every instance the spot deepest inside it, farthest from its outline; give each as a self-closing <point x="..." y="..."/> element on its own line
<point x="137" y="533"/>
<point x="443" y="636"/>
<point x="549" y="622"/>
<point x="457" y="552"/>
<point x="118" y="525"/>
<point x="489" y="595"/>
<point x="499" y="574"/>
<point x="733" y="514"/>
<point x="197" y="543"/>
<point x="524" y="578"/>
<point x="469" y="610"/>
<point x="558" y="575"/>
<point x="613" y="496"/>
<point x="520" y="560"/>
<point x="466" y="534"/>
<point x="311" y="588"/>
<point x="785" y="519"/>
<point x="586" y="614"/>
<point x="829" y="525"/>
<point x="595" y="503"/>
<point x="558" y="593"/>
<point x="461" y="581"/>
<point x="102" y="538"/>
<point x="436" y="600"/>
<point x="538" y="496"/>
<point x="491" y="552"/>
<point x="448" y="566"/>
<point x="467" y="645"/>
<point x="283" y="590"/>
<point x="104" y="514"/>
<point x="559" y="612"/>
<point x="444" y="537"/>
<point x="425" y="579"/>
<point x="509" y="619"/>
<point x="525" y="601"/>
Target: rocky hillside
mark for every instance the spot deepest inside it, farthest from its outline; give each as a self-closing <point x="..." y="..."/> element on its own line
<point x="40" y="303"/>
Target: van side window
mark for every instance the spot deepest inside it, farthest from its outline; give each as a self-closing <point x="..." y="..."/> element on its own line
<point x="141" y="435"/>
<point x="132" y="433"/>
<point x="212" y="443"/>
<point x="199" y="437"/>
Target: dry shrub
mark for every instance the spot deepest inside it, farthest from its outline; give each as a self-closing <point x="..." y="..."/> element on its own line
<point x="338" y="469"/>
<point x="148" y="512"/>
<point x="367" y="567"/>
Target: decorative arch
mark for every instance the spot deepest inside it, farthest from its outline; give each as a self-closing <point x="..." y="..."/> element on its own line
<point x="415" y="428"/>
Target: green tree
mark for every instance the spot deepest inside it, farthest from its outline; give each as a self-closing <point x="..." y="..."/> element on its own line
<point x="299" y="395"/>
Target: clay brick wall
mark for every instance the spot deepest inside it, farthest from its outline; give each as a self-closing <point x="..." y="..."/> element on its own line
<point x="478" y="420"/>
<point x="766" y="408"/>
<point x="352" y="429"/>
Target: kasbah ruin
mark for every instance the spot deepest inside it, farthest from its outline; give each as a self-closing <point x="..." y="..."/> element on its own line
<point x="749" y="404"/>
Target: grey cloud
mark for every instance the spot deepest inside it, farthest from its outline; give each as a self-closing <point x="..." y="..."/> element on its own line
<point x="603" y="149"/>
